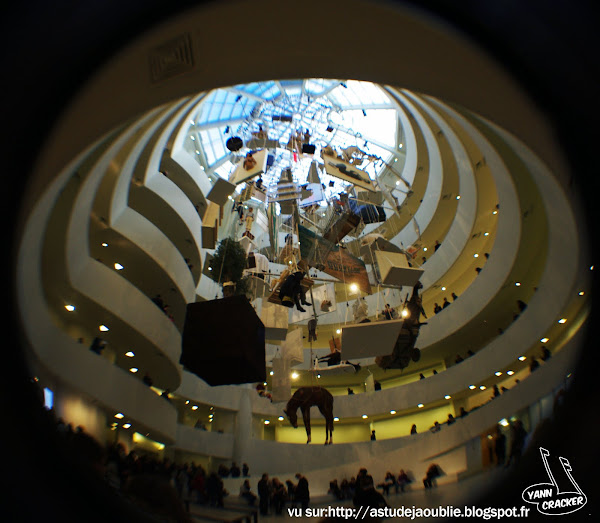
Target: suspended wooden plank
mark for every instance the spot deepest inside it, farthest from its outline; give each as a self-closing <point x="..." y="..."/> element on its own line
<point x="346" y="171"/>
<point x="275" y="320"/>
<point x="336" y="370"/>
<point x="366" y="340"/>
<point x="394" y="269"/>
<point x="246" y="169"/>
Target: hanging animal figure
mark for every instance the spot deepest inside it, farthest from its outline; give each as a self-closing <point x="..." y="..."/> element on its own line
<point x="305" y="398"/>
<point x="415" y="308"/>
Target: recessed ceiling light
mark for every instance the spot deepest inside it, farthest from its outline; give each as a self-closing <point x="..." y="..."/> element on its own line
<point x="581" y="293"/>
<point x="70" y="308"/>
<point x="280" y="418"/>
<point x="458" y="197"/>
<point x="103" y="328"/>
<point x="338" y="331"/>
<point x="545" y="340"/>
<point x="392" y="412"/>
<point x="336" y="419"/>
<point x="447" y="397"/>
<point x="119" y="415"/>
<point x="397" y="182"/>
<point x="591" y="267"/>
<point x="210" y="268"/>
<point x="424" y="249"/>
<point x="475" y="255"/>
<point x="353" y="287"/>
<point x="503" y="422"/>
<point x="270" y="373"/>
<point x="482" y="387"/>
<point x="126" y="425"/>
<point x="265" y="383"/>
<point x="318" y="375"/>
<point x="510" y="372"/>
<point x="364" y="416"/>
<point x="129" y="354"/>
<point x="472" y="387"/>
<point x="443" y="288"/>
<point x="522" y="358"/>
<point x="104" y="244"/>
<point x="295" y="375"/>
<point x="194" y="407"/>
<point x="133" y="369"/>
<point x="267" y="422"/>
<point x="420" y="405"/>
<point x="399" y="146"/>
<point x="119" y="267"/>
<point x="517" y="284"/>
<point x="192" y="137"/>
<point x="187" y="402"/>
<point x="486" y="233"/>
<point x="494" y="212"/>
<point x="562" y="320"/>
<point x="498" y="373"/>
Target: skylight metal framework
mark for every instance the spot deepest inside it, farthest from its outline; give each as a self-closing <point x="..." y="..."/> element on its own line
<point x="337" y="113"/>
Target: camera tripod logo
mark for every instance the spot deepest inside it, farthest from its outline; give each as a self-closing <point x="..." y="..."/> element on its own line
<point x="547" y="496"/>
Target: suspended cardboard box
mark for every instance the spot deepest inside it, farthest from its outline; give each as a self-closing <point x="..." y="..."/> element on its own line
<point x="220" y="191"/>
<point x="346" y="223"/>
<point x="210" y="225"/>
<point x="223" y="342"/>
<point x="378" y="244"/>
<point x="292" y="348"/>
<point x="275" y="320"/>
<point x="366" y="340"/>
<point x="394" y="269"/>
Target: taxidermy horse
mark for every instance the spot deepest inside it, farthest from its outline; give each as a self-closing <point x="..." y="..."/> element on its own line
<point x="305" y="398"/>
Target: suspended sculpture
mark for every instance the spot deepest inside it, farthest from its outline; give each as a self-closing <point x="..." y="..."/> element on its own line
<point x="305" y="398"/>
<point x="404" y="349"/>
<point x="291" y="292"/>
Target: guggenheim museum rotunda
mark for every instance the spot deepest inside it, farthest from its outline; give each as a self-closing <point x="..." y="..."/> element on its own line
<point x="206" y="233"/>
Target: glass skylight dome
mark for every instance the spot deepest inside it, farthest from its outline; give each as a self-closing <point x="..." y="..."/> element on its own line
<point x="335" y="113"/>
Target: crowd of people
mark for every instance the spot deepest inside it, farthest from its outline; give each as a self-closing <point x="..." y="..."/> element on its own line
<point x="273" y="494"/>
